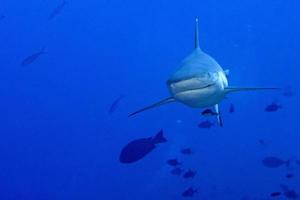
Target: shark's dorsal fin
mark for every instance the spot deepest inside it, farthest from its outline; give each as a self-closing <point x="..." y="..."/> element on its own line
<point x="196" y="34"/>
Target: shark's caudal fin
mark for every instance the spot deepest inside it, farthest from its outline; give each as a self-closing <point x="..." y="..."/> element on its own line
<point x="162" y="102"/>
<point x="239" y="89"/>
<point x="196" y="35"/>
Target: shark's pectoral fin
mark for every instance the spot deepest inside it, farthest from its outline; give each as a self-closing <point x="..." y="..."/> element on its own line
<point x="162" y="102"/>
<point x="219" y="118"/>
<point x="239" y="89"/>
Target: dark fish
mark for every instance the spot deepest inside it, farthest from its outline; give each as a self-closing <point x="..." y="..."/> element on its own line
<point x="231" y="108"/>
<point x="115" y="104"/>
<point x="177" y="171"/>
<point x="288" y="92"/>
<point x="209" y="112"/>
<point x="289" y="175"/>
<point x="275" y="194"/>
<point x="189" y="192"/>
<point x="186" y="151"/>
<point x="173" y="162"/>
<point x="206" y="124"/>
<point x="30" y="59"/>
<point x="291" y="194"/>
<point x="262" y="142"/>
<point x="273" y="107"/>
<point x="138" y="149"/>
<point x="189" y="174"/>
<point x="56" y="11"/>
<point x="288" y="193"/>
<point x="274" y="162"/>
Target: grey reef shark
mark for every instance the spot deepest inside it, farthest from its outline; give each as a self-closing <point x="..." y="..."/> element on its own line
<point x="199" y="82"/>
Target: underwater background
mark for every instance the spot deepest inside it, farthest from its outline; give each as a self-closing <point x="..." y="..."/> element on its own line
<point x="71" y="72"/>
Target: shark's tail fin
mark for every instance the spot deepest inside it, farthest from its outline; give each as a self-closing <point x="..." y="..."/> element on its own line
<point x="238" y="89"/>
<point x="162" y="102"/>
<point x="196" y="34"/>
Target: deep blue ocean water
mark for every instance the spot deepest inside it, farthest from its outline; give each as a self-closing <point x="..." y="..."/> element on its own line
<point x="59" y="141"/>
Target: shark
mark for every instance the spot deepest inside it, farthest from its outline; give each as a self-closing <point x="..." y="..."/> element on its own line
<point x="199" y="82"/>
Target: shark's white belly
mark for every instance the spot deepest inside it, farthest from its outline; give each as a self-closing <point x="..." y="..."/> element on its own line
<point x="201" y="91"/>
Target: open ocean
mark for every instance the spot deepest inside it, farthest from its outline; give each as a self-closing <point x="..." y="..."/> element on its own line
<point x="72" y="71"/>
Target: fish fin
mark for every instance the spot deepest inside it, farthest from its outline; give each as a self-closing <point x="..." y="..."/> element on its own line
<point x="238" y="89"/>
<point x="159" y="138"/>
<point x="196" y="34"/>
<point x="162" y="102"/>
<point x="219" y="118"/>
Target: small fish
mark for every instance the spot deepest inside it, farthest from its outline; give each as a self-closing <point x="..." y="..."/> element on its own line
<point x="291" y="194"/>
<point x="275" y="194"/>
<point x="56" y="11"/>
<point x="288" y="92"/>
<point x="273" y="107"/>
<point x="288" y="193"/>
<point x="209" y="112"/>
<point x="274" y="162"/>
<point x="189" y="174"/>
<point x="206" y="124"/>
<point x="289" y="175"/>
<point x="115" y="104"/>
<point x="189" y="192"/>
<point x="231" y="108"/>
<point x="30" y="59"/>
<point x="138" y="149"/>
<point x="177" y="171"/>
<point x="262" y="142"/>
<point x="173" y="162"/>
<point x="186" y="151"/>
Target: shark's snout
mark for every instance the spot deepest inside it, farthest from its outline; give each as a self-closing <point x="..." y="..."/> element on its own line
<point x="188" y="85"/>
<point x="197" y="91"/>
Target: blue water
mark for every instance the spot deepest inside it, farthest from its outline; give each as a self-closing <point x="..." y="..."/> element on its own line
<point x="58" y="141"/>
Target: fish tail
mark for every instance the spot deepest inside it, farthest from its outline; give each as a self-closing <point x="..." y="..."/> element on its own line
<point x="159" y="138"/>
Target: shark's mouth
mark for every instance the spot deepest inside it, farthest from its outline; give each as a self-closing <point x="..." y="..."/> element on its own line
<point x="190" y="85"/>
<point x="193" y="89"/>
